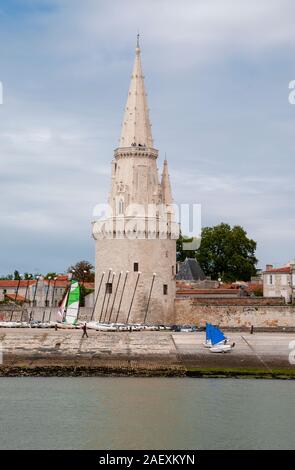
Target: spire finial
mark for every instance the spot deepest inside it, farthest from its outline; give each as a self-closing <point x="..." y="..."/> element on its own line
<point x="137" y="42"/>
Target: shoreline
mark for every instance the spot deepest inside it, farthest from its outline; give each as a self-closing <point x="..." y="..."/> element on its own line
<point x="198" y="372"/>
<point x="41" y="353"/>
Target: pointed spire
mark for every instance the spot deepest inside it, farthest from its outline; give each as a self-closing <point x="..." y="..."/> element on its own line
<point x="136" y="127"/>
<point x="166" y="186"/>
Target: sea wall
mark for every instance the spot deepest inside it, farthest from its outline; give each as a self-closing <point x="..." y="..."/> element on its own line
<point x="235" y="315"/>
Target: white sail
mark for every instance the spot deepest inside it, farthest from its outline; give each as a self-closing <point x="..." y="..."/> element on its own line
<point x="60" y="314"/>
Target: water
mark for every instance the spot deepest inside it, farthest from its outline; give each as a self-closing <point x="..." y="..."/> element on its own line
<point x="146" y="413"/>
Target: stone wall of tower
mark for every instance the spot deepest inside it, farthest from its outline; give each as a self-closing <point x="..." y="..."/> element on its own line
<point x="153" y="256"/>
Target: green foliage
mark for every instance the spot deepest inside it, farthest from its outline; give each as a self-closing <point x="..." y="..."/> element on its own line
<point x="227" y="253"/>
<point x="224" y="252"/>
<point x="28" y="276"/>
<point x="82" y="271"/>
<point x="83" y="293"/>
<point x="50" y="275"/>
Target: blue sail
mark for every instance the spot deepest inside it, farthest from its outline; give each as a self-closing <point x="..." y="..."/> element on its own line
<point x="208" y="331"/>
<point x="216" y="335"/>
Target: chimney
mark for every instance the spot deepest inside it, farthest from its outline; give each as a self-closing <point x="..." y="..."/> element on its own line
<point x="268" y="267"/>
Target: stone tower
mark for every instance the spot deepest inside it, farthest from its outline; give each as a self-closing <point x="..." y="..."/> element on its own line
<point x="136" y="238"/>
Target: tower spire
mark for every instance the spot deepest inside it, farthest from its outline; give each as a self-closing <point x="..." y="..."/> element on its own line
<point x="165" y="184"/>
<point x="136" y="127"/>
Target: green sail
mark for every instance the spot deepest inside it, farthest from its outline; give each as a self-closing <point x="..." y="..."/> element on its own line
<point x="73" y="303"/>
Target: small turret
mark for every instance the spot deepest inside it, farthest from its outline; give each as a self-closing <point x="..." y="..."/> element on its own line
<point x="166" y="186"/>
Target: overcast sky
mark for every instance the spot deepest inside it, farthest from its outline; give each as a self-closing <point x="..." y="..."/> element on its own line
<point x="217" y="75"/>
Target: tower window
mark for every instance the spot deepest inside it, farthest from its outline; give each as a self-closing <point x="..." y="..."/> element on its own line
<point x="109" y="287"/>
<point x="121" y="206"/>
<point x="135" y="267"/>
<point x="172" y="270"/>
<point x="165" y="289"/>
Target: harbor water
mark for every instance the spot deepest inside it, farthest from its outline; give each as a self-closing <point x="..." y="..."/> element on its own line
<point x="146" y="413"/>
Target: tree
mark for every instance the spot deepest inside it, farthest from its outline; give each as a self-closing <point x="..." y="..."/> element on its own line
<point x="16" y="275"/>
<point x="50" y="275"/>
<point x="28" y="276"/>
<point x="82" y="271"/>
<point x="227" y="253"/>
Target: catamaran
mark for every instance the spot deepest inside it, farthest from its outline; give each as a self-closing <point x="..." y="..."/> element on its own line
<point x="73" y="303"/>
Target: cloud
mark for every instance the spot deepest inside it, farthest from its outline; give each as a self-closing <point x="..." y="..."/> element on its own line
<point x="217" y="73"/>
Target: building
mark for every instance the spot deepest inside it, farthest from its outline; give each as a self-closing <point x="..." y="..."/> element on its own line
<point x="41" y="293"/>
<point x="279" y="282"/>
<point x="136" y="240"/>
<point x="190" y="270"/>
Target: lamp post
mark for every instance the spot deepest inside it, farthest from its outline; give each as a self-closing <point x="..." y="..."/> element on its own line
<point x="114" y="299"/>
<point x="94" y="306"/>
<point x="121" y="298"/>
<point x="16" y="294"/>
<point x="82" y="293"/>
<point x="34" y="298"/>
<point x="105" y="293"/>
<point x="149" y="299"/>
<point x="18" y="285"/>
<point x="110" y="294"/>
<point x="52" y="298"/>
<point x="133" y="297"/>
<point x="46" y="298"/>
<point x="26" y="293"/>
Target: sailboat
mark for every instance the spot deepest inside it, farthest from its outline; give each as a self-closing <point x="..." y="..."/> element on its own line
<point x="73" y="303"/>
<point x="60" y="314"/>
<point x="218" y="341"/>
<point x="208" y="342"/>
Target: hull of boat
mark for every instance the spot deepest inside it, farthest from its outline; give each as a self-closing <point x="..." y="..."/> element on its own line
<point x="221" y="348"/>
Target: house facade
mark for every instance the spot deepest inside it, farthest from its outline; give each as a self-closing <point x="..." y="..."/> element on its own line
<point x="280" y="282"/>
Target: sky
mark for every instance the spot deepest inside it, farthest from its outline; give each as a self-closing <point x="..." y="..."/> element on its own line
<point x="217" y="74"/>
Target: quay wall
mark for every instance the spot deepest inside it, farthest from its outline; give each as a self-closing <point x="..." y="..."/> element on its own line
<point x="238" y="315"/>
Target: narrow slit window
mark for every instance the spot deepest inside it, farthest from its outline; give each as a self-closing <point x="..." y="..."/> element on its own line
<point x="135" y="267"/>
<point x="109" y="287"/>
<point x="165" y="289"/>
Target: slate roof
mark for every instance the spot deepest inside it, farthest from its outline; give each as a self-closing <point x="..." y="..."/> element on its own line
<point x="190" y="270"/>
